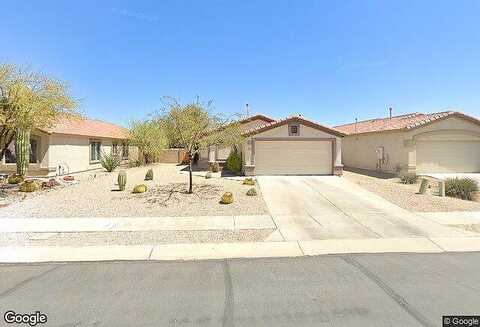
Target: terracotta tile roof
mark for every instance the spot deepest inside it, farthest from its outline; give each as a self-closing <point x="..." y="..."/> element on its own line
<point x="255" y="117"/>
<point x="299" y="119"/>
<point x="87" y="127"/>
<point x="402" y="122"/>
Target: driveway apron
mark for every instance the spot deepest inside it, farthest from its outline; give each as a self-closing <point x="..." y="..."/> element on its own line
<point x="330" y="207"/>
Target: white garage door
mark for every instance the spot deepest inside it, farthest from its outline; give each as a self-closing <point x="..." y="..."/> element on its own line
<point x="293" y="157"/>
<point x="448" y="156"/>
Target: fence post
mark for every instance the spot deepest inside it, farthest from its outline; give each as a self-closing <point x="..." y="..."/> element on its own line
<point x="441" y="188"/>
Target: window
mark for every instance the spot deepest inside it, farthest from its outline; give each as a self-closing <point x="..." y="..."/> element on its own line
<point x="124" y="150"/>
<point x="33" y="151"/>
<point x="115" y="148"/>
<point x="11" y="155"/>
<point x="95" y="148"/>
<point x="294" y="130"/>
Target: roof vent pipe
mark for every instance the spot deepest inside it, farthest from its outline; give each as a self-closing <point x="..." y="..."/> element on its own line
<point x="390" y="110"/>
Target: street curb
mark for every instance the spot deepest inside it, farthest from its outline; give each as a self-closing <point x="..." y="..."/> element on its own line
<point x="208" y="251"/>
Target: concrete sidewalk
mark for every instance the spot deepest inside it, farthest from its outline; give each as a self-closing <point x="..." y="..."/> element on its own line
<point x="199" y="223"/>
<point x="453" y="217"/>
<point x="237" y="250"/>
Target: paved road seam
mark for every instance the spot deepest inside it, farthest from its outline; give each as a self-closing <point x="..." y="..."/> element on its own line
<point x="389" y="291"/>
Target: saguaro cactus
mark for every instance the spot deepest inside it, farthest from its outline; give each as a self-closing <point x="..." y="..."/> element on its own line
<point x="22" y="150"/>
<point x="122" y="180"/>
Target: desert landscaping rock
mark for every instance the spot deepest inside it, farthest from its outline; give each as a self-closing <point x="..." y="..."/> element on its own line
<point x="97" y="195"/>
<point x="406" y="196"/>
<point x="135" y="238"/>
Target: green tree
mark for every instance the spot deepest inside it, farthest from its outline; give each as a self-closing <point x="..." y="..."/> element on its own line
<point x="195" y="126"/>
<point x="149" y="137"/>
<point x="29" y="100"/>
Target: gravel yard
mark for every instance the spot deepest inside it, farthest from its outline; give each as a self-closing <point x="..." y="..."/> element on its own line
<point x="133" y="238"/>
<point x="97" y="195"/>
<point x="405" y="195"/>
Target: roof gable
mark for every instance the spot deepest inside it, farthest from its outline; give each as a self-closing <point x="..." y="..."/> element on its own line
<point x="87" y="127"/>
<point x="298" y="119"/>
<point x="399" y="123"/>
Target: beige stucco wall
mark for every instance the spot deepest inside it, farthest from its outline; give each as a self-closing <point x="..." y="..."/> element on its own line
<point x="401" y="147"/>
<point x="359" y="151"/>
<point x="72" y="153"/>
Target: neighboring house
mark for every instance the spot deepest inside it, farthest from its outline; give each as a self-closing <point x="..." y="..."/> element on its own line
<point x="72" y="145"/>
<point x="442" y="142"/>
<point x="221" y="153"/>
<point x="291" y="146"/>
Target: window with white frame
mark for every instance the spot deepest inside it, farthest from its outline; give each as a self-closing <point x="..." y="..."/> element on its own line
<point x="11" y="155"/>
<point x="95" y="150"/>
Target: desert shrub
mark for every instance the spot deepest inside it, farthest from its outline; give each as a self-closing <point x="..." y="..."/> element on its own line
<point x="29" y="186"/>
<point x="110" y="161"/>
<point x="214" y="167"/>
<point x="227" y="198"/>
<point x="149" y="175"/>
<point x="249" y="181"/>
<point x="15" y="179"/>
<point x="234" y="162"/>
<point x="208" y="175"/>
<point x="408" y="178"/>
<point x="252" y="192"/>
<point x="462" y="188"/>
<point x="134" y="163"/>
<point x="140" y="188"/>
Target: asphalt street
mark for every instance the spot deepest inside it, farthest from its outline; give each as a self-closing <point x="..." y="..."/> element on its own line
<point x="336" y="290"/>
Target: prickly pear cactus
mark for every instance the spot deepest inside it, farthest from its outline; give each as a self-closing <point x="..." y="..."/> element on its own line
<point x="22" y="149"/>
<point x="122" y="180"/>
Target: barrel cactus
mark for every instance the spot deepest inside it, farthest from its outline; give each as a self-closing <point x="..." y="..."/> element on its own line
<point x="252" y="192"/>
<point x="29" y="186"/>
<point x="22" y="149"/>
<point x="15" y="179"/>
<point x="140" y="188"/>
<point x="149" y="175"/>
<point x="227" y="198"/>
<point x="249" y="181"/>
<point x="122" y="180"/>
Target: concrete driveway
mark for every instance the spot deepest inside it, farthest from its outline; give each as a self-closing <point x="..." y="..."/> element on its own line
<point x="329" y="207"/>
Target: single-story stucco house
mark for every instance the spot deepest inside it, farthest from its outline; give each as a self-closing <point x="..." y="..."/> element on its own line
<point x="291" y="146"/>
<point x="442" y="142"/>
<point x="71" y="145"/>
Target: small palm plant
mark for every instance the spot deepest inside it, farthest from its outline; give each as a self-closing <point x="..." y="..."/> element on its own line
<point x="110" y="161"/>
